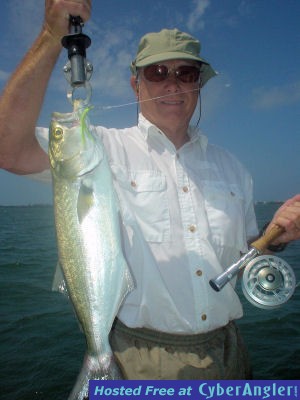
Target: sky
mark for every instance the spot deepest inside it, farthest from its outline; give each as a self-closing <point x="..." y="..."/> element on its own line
<point x="252" y="107"/>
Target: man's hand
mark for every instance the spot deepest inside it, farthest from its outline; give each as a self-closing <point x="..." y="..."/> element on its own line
<point x="288" y="217"/>
<point x="57" y="12"/>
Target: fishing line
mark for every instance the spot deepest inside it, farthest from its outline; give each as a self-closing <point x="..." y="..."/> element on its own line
<point x="132" y="103"/>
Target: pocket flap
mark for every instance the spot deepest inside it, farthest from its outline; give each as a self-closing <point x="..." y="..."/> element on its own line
<point x="140" y="181"/>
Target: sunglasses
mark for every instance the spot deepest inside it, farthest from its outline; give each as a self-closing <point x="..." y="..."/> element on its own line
<point x="160" y="72"/>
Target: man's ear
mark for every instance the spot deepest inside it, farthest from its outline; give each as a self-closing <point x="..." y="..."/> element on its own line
<point x="135" y="85"/>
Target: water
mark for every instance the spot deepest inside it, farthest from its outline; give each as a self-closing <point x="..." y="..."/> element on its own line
<point x="42" y="347"/>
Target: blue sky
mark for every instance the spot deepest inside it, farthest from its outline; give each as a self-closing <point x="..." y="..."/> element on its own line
<point x="252" y="108"/>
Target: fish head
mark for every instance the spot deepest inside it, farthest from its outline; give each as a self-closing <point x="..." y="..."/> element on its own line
<point x="73" y="148"/>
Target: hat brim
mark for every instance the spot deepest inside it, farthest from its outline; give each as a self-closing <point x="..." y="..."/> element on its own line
<point x="207" y="71"/>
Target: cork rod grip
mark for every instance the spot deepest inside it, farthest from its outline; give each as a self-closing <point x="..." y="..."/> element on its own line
<point x="264" y="241"/>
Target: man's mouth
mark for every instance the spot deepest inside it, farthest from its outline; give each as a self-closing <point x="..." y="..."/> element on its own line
<point x="172" y="102"/>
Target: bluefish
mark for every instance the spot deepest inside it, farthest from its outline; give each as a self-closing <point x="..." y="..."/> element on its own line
<point x="87" y="225"/>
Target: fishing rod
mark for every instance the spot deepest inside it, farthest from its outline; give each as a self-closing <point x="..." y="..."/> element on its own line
<point x="268" y="281"/>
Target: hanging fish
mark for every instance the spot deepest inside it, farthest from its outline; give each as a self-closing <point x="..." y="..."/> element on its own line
<point x="88" y="238"/>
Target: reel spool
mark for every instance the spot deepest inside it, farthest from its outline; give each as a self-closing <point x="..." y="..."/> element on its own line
<point x="268" y="282"/>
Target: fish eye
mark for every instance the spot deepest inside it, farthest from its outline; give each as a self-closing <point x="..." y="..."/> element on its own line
<point x="58" y="133"/>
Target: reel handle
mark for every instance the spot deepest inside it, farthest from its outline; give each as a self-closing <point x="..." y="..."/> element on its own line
<point x="264" y="241"/>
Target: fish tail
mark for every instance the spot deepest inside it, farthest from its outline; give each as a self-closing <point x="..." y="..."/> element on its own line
<point x="101" y="367"/>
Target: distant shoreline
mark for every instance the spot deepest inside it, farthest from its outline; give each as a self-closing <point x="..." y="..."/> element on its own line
<point x="51" y="205"/>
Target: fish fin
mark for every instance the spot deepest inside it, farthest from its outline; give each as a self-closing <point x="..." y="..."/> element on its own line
<point x="59" y="282"/>
<point x="85" y="201"/>
<point x="103" y="367"/>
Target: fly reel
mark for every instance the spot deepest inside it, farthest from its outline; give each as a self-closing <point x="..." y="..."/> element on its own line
<point x="268" y="282"/>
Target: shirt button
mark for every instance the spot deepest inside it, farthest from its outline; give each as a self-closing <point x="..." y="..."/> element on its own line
<point x="199" y="272"/>
<point x="203" y="317"/>
<point x="192" y="228"/>
<point x="185" y="189"/>
<point x="133" y="184"/>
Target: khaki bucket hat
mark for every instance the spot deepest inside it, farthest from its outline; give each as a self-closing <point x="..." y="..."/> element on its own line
<point x="170" y="44"/>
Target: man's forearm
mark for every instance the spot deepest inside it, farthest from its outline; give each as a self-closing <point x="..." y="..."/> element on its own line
<point x="20" y="106"/>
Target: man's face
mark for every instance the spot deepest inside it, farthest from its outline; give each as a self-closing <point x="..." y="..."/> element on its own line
<point x="173" y="101"/>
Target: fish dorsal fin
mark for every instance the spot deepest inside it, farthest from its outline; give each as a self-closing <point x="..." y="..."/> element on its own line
<point x="85" y="200"/>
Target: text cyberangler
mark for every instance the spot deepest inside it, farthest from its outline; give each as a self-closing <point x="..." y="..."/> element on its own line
<point x="194" y="389"/>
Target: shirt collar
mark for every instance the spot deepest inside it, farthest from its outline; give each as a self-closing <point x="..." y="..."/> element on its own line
<point x="148" y="129"/>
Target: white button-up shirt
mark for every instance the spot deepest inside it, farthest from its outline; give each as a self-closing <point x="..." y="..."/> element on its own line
<point x="187" y="215"/>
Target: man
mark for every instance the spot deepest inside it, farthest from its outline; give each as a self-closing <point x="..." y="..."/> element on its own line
<point x="186" y="205"/>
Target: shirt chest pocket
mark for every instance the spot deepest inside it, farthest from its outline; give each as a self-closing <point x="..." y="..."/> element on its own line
<point x="144" y="196"/>
<point x="225" y="208"/>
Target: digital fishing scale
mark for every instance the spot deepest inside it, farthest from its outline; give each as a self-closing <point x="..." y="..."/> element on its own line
<point x="77" y="70"/>
<point x="268" y="281"/>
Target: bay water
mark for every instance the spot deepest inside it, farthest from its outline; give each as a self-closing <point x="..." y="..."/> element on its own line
<point x="41" y="346"/>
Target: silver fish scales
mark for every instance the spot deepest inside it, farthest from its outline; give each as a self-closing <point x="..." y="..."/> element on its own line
<point x="88" y="239"/>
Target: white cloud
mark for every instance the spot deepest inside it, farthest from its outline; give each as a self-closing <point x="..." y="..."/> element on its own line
<point x="195" y="20"/>
<point x="111" y="53"/>
<point x="277" y="96"/>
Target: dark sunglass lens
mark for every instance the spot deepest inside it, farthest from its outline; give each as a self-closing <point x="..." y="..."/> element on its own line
<point x="156" y="73"/>
<point x="188" y="74"/>
<point x="185" y="73"/>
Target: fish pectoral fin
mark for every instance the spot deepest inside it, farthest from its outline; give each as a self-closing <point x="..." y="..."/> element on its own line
<point x="85" y="201"/>
<point x="59" y="281"/>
